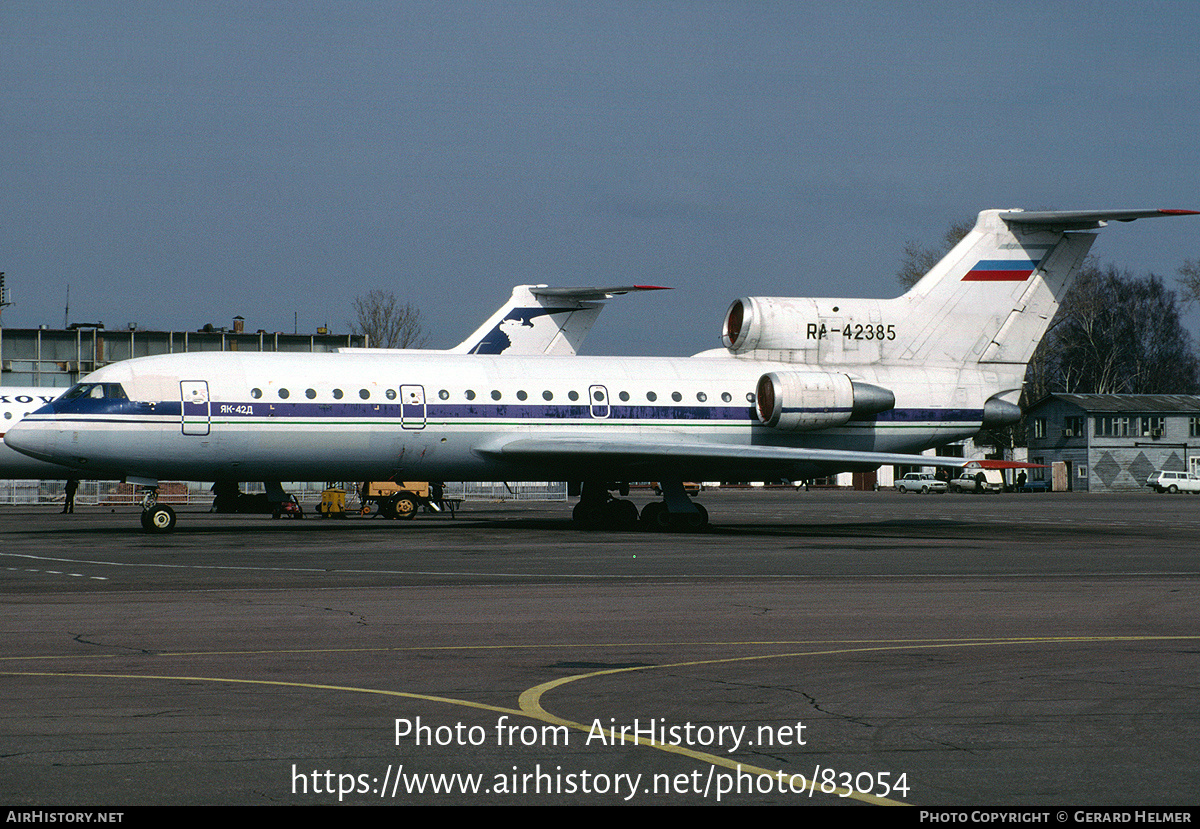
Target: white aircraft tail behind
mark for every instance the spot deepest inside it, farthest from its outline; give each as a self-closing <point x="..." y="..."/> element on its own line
<point x="541" y="320"/>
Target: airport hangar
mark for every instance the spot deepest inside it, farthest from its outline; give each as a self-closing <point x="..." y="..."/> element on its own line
<point x="57" y="358"/>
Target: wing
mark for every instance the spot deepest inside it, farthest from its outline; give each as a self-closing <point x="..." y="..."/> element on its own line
<point x="625" y="457"/>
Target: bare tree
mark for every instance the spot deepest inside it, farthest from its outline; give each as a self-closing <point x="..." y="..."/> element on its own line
<point x="1116" y="333"/>
<point x="1189" y="279"/>
<point x="387" y="323"/>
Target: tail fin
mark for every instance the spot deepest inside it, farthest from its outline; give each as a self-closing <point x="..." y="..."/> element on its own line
<point x="542" y="320"/>
<point x="991" y="298"/>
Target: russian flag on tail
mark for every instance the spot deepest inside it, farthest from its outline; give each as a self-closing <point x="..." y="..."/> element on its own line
<point x="1001" y="270"/>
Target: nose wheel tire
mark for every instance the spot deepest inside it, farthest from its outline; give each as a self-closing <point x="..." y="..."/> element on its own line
<point x="158" y="519"/>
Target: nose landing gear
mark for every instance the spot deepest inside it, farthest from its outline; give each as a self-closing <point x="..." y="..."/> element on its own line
<point x="156" y="517"/>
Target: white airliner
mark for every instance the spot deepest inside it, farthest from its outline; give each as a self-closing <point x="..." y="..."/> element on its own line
<point x="15" y="403"/>
<point x="803" y="388"/>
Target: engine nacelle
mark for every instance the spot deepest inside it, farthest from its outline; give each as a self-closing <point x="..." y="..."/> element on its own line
<point x="770" y="322"/>
<point x="743" y="325"/>
<point x="803" y="400"/>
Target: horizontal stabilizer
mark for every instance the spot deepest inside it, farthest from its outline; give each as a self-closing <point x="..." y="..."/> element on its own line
<point x="590" y="294"/>
<point x="1083" y="219"/>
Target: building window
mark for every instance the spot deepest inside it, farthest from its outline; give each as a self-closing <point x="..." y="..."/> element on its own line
<point x="1194" y="427"/>
<point x="1112" y="426"/>
<point x="1039" y="428"/>
<point x="1073" y="427"/>
<point x="1039" y="473"/>
<point x="1150" y="426"/>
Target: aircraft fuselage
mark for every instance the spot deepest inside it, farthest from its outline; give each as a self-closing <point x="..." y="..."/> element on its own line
<point x="357" y="417"/>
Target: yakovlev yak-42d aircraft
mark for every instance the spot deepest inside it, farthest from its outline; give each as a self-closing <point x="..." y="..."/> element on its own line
<point x="803" y="388"/>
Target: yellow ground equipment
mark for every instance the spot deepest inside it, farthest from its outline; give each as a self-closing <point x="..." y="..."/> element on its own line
<point x="333" y="503"/>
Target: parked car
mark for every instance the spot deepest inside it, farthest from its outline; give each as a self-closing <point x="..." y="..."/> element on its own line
<point x="922" y="482"/>
<point x="1173" y="482"/>
<point x="978" y="480"/>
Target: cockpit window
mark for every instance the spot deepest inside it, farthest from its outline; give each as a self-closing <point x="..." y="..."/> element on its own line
<point x="97" y="391"/>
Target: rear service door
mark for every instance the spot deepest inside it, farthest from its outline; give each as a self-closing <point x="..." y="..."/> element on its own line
<point x="195" y="413"/>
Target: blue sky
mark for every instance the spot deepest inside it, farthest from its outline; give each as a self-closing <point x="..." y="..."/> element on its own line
<point x="184" y="163"/>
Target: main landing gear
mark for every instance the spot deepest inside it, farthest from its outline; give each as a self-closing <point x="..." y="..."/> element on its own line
<point x="599" y="510"/>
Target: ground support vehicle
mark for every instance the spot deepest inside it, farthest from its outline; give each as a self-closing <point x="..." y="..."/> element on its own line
<point x="402" y="499"/>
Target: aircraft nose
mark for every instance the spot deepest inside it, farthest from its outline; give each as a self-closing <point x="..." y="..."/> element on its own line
<point x="31" y="439"/>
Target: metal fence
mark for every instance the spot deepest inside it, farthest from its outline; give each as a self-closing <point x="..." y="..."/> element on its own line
<point x="501" y="491"/>
<point x="100" y="493"/>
